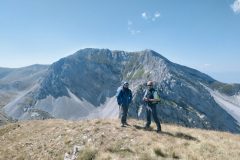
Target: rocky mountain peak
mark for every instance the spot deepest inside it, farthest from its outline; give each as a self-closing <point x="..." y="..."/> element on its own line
<point x="83" y="85"/>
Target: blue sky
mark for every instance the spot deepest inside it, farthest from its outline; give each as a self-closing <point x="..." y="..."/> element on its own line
<point x="201" y="34"/>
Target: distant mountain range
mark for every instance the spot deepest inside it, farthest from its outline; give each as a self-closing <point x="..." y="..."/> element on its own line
<point x="83" y="86"/>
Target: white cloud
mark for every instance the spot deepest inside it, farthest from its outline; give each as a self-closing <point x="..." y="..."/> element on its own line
<point x="152" y="17"/>
<point x="134" y="32"/>
<point x="130" y="23"/>
<point x="206" y="65"/>
<point x="236" y="6"/>
<point x="157" y="14"/>
<point x="131" y="29"/>
<point x="144" y="15"/>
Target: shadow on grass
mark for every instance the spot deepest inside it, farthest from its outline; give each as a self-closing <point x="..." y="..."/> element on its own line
<point x="186" y="136"/>
<point x="176" y="135"/>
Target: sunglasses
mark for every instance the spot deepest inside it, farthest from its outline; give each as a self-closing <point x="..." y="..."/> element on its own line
<point x="149" y="85"/>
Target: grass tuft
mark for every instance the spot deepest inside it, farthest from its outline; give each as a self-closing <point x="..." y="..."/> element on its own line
<point x="87" y="154"/>
<point x="159" y="152"/>
<point x="145" y="156"/>
<point x="175" y="156"/>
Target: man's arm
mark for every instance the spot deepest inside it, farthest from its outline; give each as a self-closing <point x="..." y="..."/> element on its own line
<point x="156" y="98"/>
<point x="130" y="96"/>
<point x="119" y="98"/>
<point x="145" y="99"/>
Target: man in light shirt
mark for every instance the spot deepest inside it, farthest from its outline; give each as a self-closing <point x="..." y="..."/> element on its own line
<point x="151" y="97"/>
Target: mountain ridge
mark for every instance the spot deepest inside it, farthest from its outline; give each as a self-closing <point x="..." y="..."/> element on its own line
<point x="90" y="77"/>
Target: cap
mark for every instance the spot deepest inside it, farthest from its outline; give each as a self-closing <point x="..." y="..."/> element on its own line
<point x="150" y="83"/>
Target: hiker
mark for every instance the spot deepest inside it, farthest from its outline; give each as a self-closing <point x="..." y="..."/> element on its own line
<point x="151" y="98"/>
<point x="124" y="98"/>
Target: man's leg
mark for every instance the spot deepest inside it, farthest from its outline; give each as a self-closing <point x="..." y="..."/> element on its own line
<point x="148" y="114"/>
<point x="155" y="117"/>
<point x="124" y="114"/>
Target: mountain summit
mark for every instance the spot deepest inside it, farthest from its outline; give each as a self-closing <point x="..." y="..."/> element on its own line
<point x="83" y="86"/>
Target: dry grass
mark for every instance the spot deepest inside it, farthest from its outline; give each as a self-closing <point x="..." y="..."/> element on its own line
<point x="87" y="154"/>
<point x="106" y="140"/>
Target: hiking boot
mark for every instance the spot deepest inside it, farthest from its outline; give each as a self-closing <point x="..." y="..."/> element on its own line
<point x="123" y="125"/>
<point x="159" y="130"/>
<point x="146" y="127"/>
<point x="127" y="124"/>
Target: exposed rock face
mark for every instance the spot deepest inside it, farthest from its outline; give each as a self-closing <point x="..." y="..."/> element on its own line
<point x="89" y="74"/>
<point x="83" y="85"/>
<point x="4" y="119"/>
<point x="16" y="83"/>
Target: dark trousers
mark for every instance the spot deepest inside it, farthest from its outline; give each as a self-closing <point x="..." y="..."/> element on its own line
<point x="152" y="110"/>
<point x="124" y="112"/>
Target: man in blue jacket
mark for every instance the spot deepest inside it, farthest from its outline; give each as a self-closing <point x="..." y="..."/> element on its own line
<point x="124" y="98"/>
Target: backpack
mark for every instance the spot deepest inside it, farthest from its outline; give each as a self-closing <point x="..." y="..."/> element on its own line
<point x="156" y="96"/>
<point x="153" y="94"/>
<point x="118" y="90"/>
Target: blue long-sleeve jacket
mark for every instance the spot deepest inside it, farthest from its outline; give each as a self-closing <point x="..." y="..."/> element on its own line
<point x="124" y="97"/>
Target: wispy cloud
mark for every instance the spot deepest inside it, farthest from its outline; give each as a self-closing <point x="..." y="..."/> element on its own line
<point x="144" y="15"/>
<point x="131" y="28"/>
<point x="207" y="65"/>
<point x="152" y="17"/>
<point x="134" y="32"/>
<point x="236" y="6"/>
<point x="130" y="23"/>
<point x="157" y="14"/>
